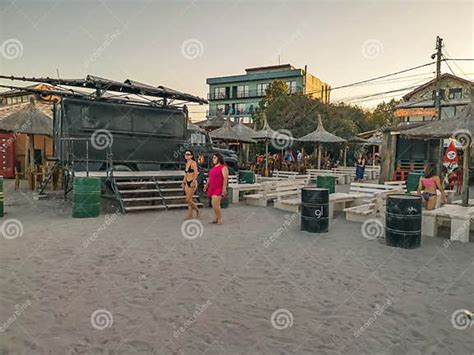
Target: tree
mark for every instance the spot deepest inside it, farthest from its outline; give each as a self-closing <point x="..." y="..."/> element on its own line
<point x="382" y="115"/>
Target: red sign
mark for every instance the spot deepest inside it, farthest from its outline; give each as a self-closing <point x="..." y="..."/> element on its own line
<point x="451" y="155"/>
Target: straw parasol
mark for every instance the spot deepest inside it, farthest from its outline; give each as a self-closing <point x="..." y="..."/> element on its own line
<point x="245" y="131"/>
<point x="461" y="126"/>
<point x="267" y="134"/>
<point x="31" y="121"/>
<point x="228" y="133"/>
<point x="320" y="135"/>
<point x="216" y="122"/>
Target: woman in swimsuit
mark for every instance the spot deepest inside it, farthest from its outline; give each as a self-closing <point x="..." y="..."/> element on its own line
<point x="428" y="186"/>
<point x="190" y="182"/>
<point x="360" y="168"/>
<point x="216" y="185"/>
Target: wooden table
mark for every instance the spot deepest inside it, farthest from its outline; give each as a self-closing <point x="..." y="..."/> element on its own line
<point x="459" y="216"/>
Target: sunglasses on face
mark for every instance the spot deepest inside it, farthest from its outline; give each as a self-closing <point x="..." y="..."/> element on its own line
<point x="187" y="154"/>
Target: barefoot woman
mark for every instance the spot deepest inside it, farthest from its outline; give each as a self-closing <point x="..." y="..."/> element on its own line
<point x="190" y="182"/>
<point x="216" y="185"/>
<point x="428" y="185"/>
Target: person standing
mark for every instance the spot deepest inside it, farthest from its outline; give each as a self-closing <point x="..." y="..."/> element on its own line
<point x="360" y="168"/>
<point x="428" y="186"/>
<point x="216" y="186"/>
<point x="190" y="183"/>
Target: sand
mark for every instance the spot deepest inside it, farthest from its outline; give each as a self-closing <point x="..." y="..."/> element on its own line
<point x="135" y="285"/>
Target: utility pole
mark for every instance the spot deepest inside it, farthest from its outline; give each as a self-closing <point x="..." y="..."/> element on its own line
<point x="439" y="45"/>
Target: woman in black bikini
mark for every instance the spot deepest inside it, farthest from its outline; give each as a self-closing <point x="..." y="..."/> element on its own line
<point x="190" y="182"/>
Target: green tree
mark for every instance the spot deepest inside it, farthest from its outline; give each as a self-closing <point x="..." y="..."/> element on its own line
<point x="382" y="115"/>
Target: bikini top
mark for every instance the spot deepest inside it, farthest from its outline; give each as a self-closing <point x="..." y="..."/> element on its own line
<point x="189" y="170"/>
<point x="428" y="182"/>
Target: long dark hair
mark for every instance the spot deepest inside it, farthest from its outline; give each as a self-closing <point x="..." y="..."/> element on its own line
<point x="192" y="154"/>
<point x="430" y="170"/>
<point x="220" y="158"/>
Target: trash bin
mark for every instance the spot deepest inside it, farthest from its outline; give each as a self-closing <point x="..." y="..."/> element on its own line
<point x="413" y="180"/>
<point x="326" y="182"/>
<point x="246" y="177"/>
<point x="86" y="197"/>
<point x="403" y="221"/>
<point x="315" y="210"/>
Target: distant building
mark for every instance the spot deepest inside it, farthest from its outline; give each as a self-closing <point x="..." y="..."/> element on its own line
<point x="238" y="96"/>
<point x="405" y="154"/>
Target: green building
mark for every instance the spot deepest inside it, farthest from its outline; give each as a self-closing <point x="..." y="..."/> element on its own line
<point x="238" y="96"/>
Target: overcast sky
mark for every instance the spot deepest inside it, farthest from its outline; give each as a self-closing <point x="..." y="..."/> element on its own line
<point x="180" y="43"/>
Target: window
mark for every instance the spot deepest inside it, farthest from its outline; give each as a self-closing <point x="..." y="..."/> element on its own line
<point x="455" y="94"/>
<point x="219" y="108"/>
<point x="291" y="86"/>
<point x="441" y="93"/>
<point x="262" y="89"/>
<point x="242" y="91"/>
<point x="219" y="93"/>
<point x="240" y="109"/>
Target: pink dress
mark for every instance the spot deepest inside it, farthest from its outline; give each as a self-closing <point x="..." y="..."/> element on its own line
<point x="216" y="181"/>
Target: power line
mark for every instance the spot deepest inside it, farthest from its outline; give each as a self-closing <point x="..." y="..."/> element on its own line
<point x="373" y="79"/>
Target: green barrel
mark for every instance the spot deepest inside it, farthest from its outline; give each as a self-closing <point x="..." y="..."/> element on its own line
<point x="413" y="180"/>
<point x="86" y="197"/>
<point x="2" y="197"/>
<point x="327" y="182"/>
<point x="246" y="177"/>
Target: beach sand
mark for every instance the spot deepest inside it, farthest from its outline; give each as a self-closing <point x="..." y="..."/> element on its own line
<point x="153" y="291"/>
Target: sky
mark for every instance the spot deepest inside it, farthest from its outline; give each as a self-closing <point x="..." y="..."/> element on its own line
<point x="180" y="43"/>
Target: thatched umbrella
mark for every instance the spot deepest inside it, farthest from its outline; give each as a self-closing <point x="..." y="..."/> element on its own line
<point x="267" y="134"/>
<point x="320" y="135"/>
<point x="228" y="133"/>
<point x="461" y="127"/>
<point x="29" y="120"/>
<point x="216" y="122"/>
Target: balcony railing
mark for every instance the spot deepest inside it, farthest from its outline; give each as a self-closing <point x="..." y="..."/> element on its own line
<point x="232" y="113"/>
<point x="244" y="94"/>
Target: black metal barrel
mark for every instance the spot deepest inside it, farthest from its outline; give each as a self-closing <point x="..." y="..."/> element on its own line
<point x="403" y="221"/>
<point x="314" y="210"/>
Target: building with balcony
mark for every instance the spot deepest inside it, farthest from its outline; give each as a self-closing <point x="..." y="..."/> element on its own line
<point x="238" y="96"/>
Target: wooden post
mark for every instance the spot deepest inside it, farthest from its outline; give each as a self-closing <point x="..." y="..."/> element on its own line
<point x="319" y="156"/>
<point x="465" y="175"/>
<point x="31" y="154"/>
<point x="345" y="155"/>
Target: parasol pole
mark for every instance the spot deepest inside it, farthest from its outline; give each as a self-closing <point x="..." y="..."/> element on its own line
<point x="266" y="157"/>
<point x="319" y="156"/>
<point x="373" y="155"/>
<point x="345" y="155"/>
<point x="465" y="175"/>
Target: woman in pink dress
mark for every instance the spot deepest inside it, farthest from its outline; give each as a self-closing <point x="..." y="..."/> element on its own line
<point x="216" y="185"/>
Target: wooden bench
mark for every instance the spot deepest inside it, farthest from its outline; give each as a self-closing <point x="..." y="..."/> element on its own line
<point x="371" y="189"/>
<point x="337" y="202"/>
<point x="341" y="178"/>
<point x="236" y="189"/>
<point x="270" y="191"/>
<point x="233" y="179"/>
<point x="401" y="184"/>
<point x="284" y="174"/>
<point x="460" y="218"/>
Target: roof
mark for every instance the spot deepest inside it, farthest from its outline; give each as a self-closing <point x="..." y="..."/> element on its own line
<point x="44" y="107"/>
<point x="270" y="67"/>
<point x="430" y="103"/>
<point x="28" y="119"/>
<point x="228" y="133"/>
<point x="259" y="75"/>
<point x="431" y="82"/>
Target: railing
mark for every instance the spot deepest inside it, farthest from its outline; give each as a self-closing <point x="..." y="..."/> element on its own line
<point x="233" y="113"/>
<point x="244" y="94"/>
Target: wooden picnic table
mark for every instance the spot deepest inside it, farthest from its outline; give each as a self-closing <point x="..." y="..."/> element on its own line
<point x="459" y="216"/>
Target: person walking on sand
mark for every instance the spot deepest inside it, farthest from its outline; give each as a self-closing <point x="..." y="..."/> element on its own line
<point x="428" y="186"/>
<point x="190" y="183"/>
<point x="216" y="186"/>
